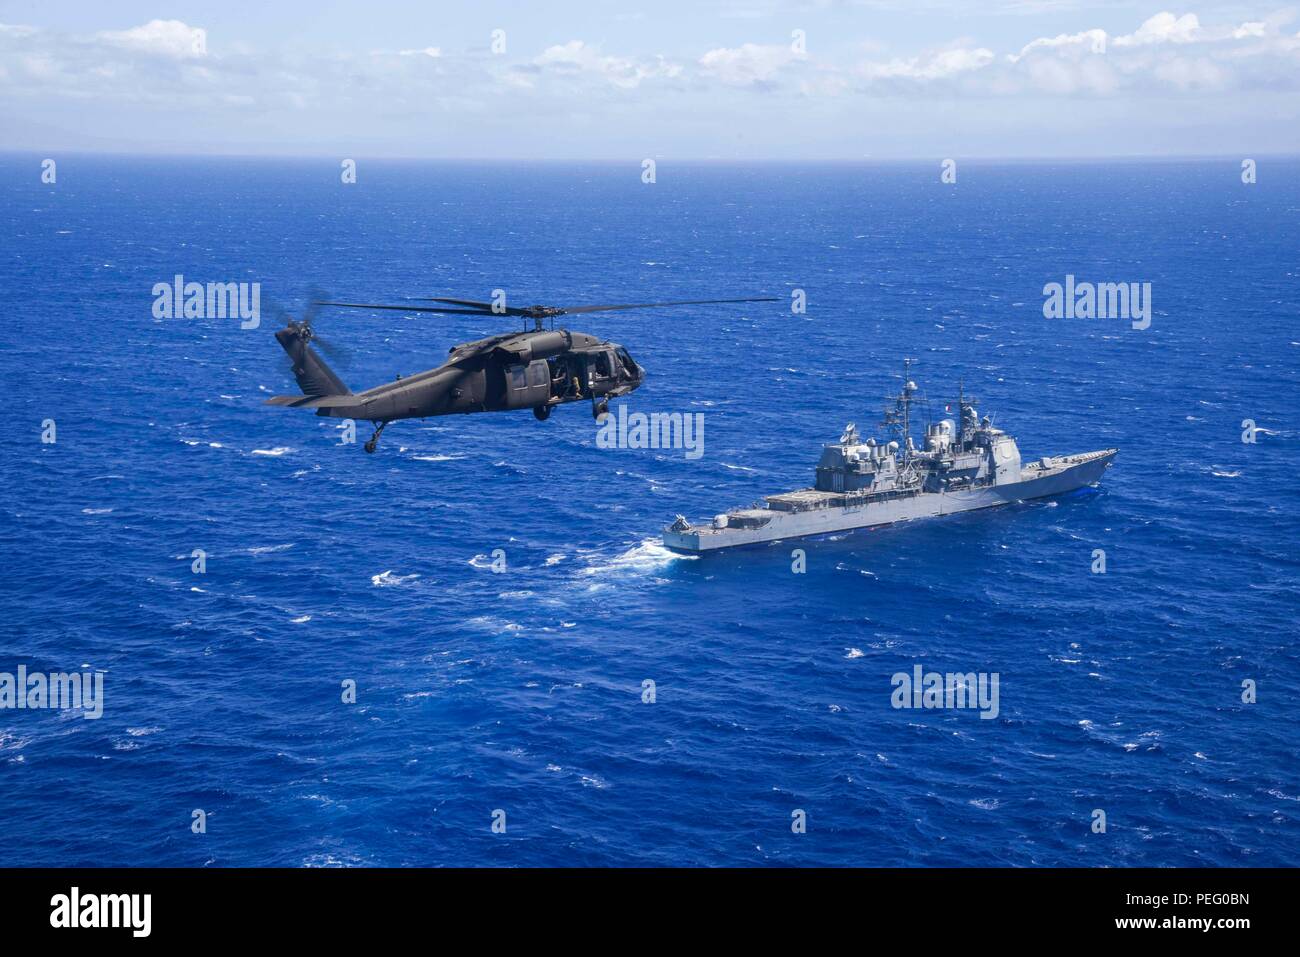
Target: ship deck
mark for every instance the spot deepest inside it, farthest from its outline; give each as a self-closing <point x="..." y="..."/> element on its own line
<point x="804" y="498"/>
<point x="1052" y="464"/>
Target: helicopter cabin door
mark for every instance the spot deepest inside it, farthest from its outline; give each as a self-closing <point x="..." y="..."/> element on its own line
<point x="528" y="385"/>
<point x="600" y="368"/>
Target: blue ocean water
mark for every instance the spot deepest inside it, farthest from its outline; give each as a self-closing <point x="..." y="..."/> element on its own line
<point x="522" y="691"/>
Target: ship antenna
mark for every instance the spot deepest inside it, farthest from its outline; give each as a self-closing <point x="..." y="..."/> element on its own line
<point x="961" y="412"/>
<point x="907" y="404"/>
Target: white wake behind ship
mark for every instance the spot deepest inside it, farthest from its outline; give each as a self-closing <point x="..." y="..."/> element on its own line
<point x="965" y="465"/>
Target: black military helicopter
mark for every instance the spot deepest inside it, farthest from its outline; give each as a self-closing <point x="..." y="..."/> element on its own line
<point x="536" y="368"/>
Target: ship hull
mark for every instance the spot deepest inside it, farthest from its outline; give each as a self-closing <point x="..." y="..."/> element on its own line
<point x="1065" y="475"/>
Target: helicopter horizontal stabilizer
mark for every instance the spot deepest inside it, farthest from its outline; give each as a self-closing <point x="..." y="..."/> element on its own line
<point x="345" y="405"/>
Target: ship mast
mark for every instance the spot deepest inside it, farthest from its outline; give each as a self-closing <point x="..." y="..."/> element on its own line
<point x="961" y="413"/>
<point x="907" y="400"/>
<point x="964" y="405"/>
<point x="899" y="418"/>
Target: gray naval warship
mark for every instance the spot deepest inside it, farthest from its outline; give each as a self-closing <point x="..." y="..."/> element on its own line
<point x="964" y="465"/>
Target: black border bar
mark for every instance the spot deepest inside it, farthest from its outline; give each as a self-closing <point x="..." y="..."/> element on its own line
<point x="332" y="905"/>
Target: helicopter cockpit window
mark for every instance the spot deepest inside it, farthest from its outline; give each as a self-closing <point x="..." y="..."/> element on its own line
<point x="602" y="364"/>
<point x="626" y="359"/>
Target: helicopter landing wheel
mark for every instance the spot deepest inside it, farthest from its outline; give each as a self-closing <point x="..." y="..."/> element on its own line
<point x="599" y="408"/>
<point x="373" y="441"/>
<point x="542" y="412"/>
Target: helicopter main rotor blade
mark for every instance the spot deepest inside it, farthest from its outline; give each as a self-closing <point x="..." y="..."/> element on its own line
<point x="486" y="306"/>
<point x="341" y="355"/>
<point x="315" y="296"/>
<point x="479" y="308"/>
<point x="572" y="310"/>
<point x="375" y="305"/>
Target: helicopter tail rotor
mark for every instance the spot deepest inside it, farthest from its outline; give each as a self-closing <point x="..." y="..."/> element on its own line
<point x="315" y="378"/>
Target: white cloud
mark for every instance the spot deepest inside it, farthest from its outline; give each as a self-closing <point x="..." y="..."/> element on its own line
<point x="1092" y="76"/>
<point x="133" y="77"/>
<point x="1091" y="41"/>
<point x="747" y="64"/>
<point x="1163" y="28"/>
<point x="170" y="38"/>
<point x="1192" y="74"/>
<point x="933" y="66"/>
<point x="1166" y="54"/>
<point x="576" y="57"/>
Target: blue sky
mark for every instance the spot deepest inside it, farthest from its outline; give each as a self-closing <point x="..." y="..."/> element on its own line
<point x="770" y="79"/>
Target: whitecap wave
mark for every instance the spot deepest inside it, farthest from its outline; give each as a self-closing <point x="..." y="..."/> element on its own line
<point x="278" y="450"/>
<point x="387" y="578"/>
<point x="263" y="549"/>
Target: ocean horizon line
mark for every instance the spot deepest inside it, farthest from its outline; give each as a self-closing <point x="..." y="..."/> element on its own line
<point x="1130" y="158"/>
